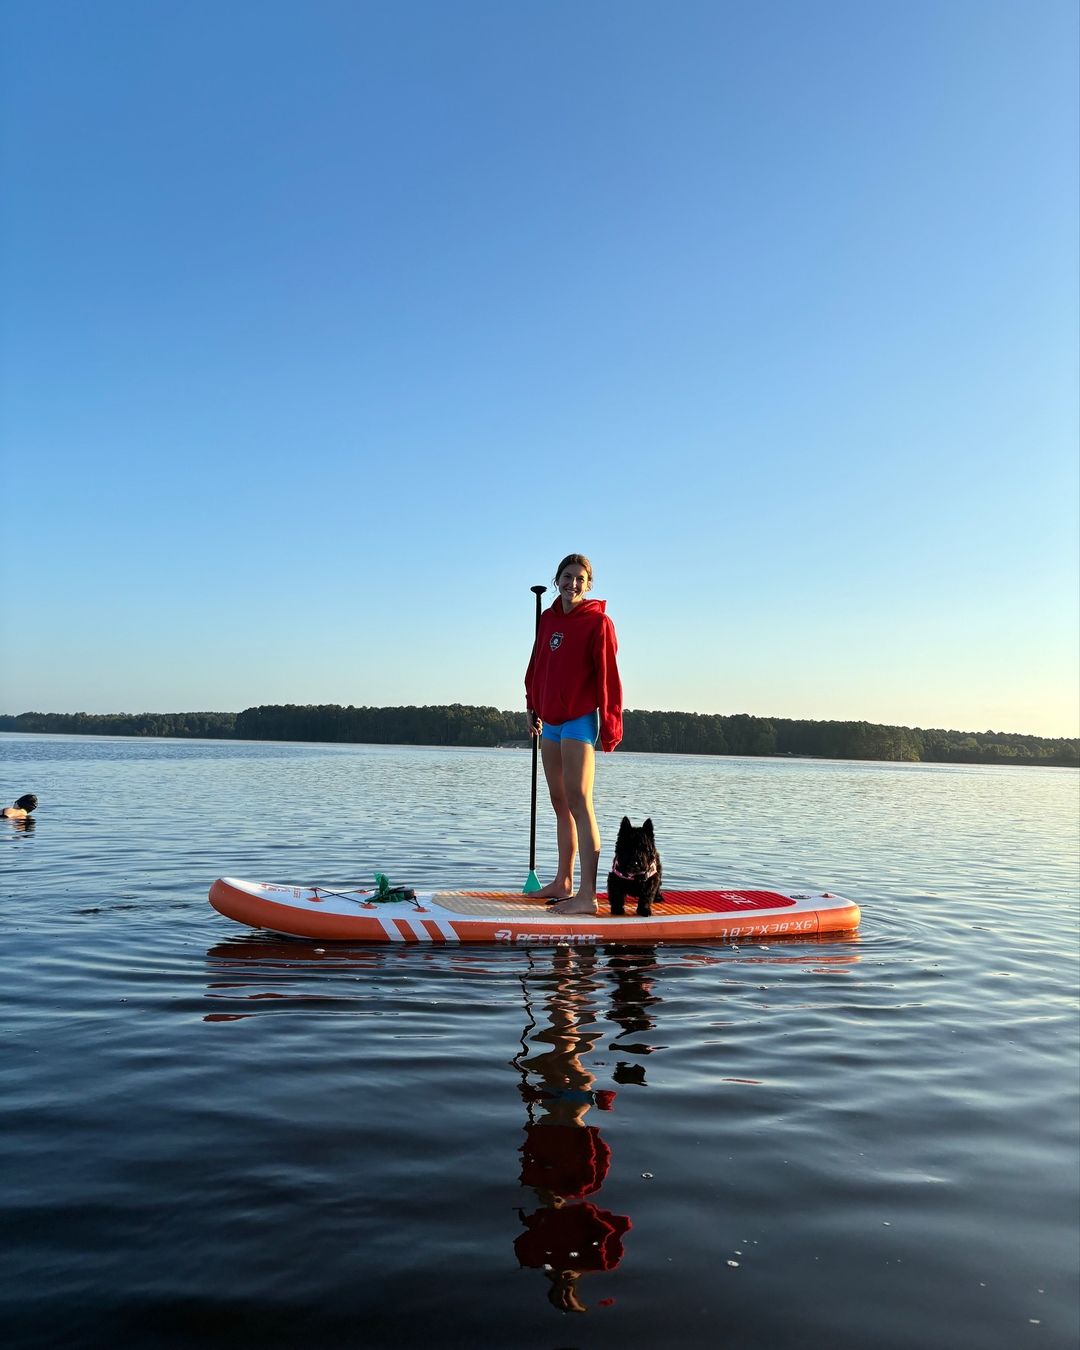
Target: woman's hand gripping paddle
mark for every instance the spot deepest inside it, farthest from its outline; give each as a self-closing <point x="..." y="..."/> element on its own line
<point x="533" y="882"/>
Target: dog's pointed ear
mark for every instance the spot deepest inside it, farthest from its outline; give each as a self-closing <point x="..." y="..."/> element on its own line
<point x="647" y="827"/>
<point x="624" y="824"/>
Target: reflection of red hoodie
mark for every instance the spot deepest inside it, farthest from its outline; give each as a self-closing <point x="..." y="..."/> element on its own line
<point x="571" y="1160"/>
<point x="572" y="670"/>
<point x="578" y="1237"/>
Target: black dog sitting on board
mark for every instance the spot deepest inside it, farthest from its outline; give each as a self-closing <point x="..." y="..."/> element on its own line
<point x="636" y="870"/>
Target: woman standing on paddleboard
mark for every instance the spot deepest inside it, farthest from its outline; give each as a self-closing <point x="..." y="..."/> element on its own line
<point x="574" y="699"/>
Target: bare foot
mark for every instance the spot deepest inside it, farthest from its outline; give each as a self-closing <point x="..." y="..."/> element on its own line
<point x="554" y="890"/>
<point x="576" y="904"/>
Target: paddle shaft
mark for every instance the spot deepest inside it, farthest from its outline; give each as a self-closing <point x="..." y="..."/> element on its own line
<point x="538" y="591"/>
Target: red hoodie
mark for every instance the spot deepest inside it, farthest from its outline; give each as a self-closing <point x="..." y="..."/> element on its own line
<point x="572" y="671"/>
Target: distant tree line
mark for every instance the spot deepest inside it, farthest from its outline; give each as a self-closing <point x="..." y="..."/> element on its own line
<point x="206" y="725"/>
<point x="662" y="732"/>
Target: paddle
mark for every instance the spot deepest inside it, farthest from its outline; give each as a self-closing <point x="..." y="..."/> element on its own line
<point x="533" y="881"/>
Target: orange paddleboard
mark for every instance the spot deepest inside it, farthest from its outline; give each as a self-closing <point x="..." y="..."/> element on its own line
<point x="509" y="919"/>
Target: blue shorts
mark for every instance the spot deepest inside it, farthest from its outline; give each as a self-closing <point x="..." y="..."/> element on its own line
<point x="585" y="729"/>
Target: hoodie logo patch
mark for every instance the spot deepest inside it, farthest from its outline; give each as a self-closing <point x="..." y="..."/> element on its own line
<point x="556" y="641"/>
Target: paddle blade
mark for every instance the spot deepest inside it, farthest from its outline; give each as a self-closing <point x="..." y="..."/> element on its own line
<point x="533" y="884"/>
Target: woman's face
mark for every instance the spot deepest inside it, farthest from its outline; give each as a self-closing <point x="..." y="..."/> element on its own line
<point x="573" y="582"/>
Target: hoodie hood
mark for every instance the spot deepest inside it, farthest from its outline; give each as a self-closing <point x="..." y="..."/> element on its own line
<point x="585" y="607"/>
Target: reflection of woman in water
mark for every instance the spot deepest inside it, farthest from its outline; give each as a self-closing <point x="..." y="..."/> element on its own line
<point x="563" y="1159"/>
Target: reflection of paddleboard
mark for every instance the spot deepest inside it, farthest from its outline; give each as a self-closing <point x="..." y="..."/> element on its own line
<point x="355" y="915"/>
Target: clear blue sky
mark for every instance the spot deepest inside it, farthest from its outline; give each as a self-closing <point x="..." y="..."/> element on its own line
<point x="329" y="326"/>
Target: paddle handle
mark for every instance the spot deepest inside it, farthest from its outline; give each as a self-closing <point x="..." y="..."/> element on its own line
<point x="537" y="591"/>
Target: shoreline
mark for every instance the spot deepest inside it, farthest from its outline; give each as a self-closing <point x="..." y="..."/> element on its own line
<point x="1001" y="751"/>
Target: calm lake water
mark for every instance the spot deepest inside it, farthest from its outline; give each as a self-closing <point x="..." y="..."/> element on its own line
<point x="211" y="1136"/>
